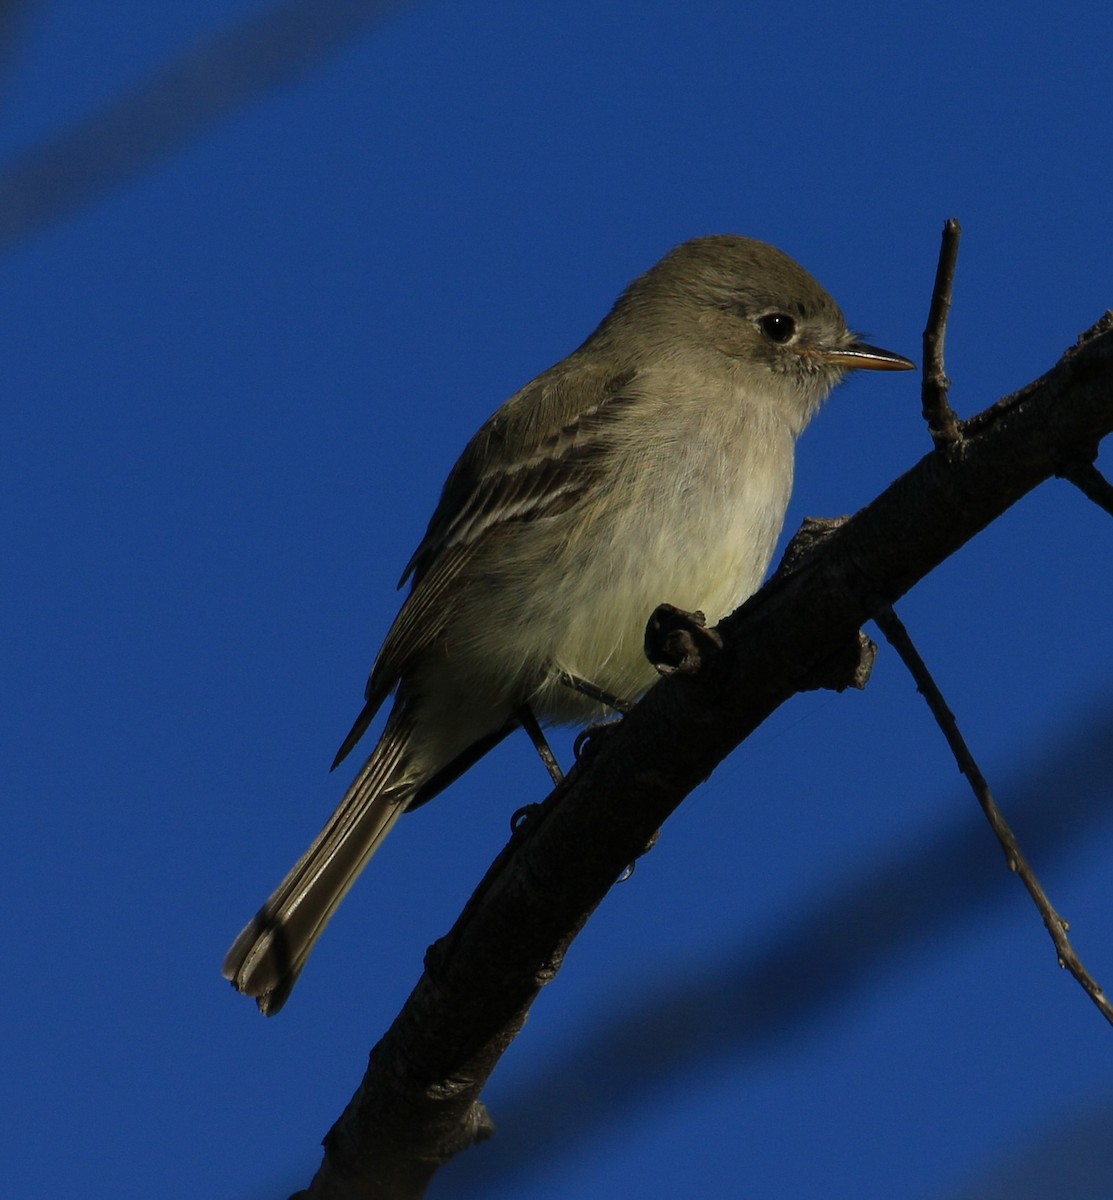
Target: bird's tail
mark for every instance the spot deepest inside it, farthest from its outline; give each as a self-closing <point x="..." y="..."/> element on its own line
<point x="267" y="957"/>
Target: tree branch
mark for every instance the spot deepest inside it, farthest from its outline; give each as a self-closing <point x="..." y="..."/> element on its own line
<point x="418" y="1103"/>
<point x="897" y="636"/>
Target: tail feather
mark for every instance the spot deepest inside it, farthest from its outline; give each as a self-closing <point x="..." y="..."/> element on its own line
<point x="362" y="722"/>
<point x="267" y="957"/>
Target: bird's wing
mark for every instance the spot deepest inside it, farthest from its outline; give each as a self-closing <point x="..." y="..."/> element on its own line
<point x="536" y="457"/>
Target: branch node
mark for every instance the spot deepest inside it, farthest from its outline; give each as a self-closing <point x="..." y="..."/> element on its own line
<point x="850" y="667"/>
<point x="1091" y="483"/>
<point x="811" y="535"/>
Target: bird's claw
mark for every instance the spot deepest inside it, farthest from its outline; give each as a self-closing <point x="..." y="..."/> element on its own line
<point x="679" y="642"/>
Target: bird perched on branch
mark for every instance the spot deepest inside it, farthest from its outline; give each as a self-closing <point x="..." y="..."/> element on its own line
<point x="652" y="464"/>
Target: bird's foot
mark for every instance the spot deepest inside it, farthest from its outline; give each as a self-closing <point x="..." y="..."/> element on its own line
<point x="679" y="642"/>
<point x="586" y="688"/>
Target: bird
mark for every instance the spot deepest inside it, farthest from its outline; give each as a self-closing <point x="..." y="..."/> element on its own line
<point x="654" y="463"/>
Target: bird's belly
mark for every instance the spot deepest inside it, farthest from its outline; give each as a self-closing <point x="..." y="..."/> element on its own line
<point x="710" y="560"/>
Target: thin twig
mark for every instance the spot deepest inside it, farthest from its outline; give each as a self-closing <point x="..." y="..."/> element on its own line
<point x="1089" y="480"/>
<point x="941" y="419"/>
<point x="897" y="636"/>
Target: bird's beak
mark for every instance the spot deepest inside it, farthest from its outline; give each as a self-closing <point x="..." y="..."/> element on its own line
<point x="859" y="356"/>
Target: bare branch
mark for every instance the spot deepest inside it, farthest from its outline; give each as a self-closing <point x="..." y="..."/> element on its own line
<point x="418" y="1104"/>
<point x="897" y="636"/>
<point x="941" y="420"/>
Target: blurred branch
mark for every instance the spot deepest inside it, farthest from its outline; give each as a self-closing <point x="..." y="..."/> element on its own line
<point x="418" y="1102"/>
<point x="897" y="636"/>
<point x="14" y="15"/>
<point x="1068" y="1157"/>
<point x="181" y="101"/>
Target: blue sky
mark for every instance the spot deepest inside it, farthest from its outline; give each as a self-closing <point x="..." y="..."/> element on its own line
<point x="233" y="383"/>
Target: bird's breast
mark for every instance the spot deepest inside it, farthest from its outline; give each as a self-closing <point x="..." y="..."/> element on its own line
<point x="692" y="520"/>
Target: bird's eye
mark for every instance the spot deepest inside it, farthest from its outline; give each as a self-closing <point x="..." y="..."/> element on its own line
<point x="777" y="327"/>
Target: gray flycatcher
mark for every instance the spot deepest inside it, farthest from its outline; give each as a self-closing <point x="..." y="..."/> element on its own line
<point x="652" y="464"/>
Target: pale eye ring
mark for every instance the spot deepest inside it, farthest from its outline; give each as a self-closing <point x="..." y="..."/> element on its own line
<point x="778" y="327"/>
